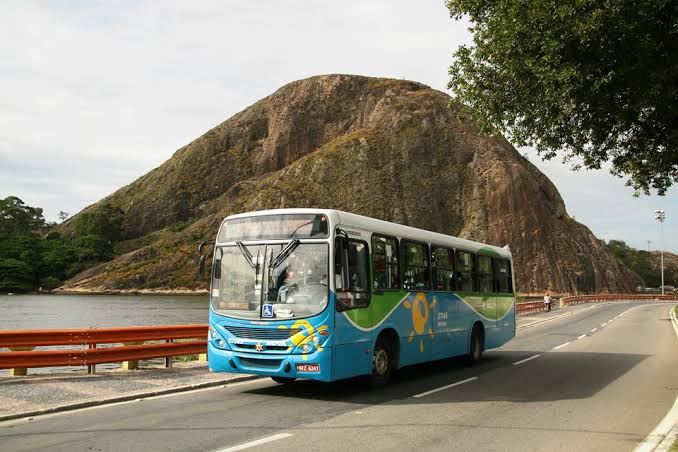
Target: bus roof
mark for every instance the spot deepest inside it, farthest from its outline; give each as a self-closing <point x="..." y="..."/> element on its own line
<point x="347" y="219"/>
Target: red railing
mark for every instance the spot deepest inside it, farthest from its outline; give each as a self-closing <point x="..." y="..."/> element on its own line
<point x="576" y="299"/>
<point x="22" y="343"/>
<point x="529" y="307"/>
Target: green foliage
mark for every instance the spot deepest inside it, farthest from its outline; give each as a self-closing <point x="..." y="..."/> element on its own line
<point x="641" y="262"/>
<point x="597" y="81"/>
<point x="15" y="276"/>
<point x="15" y="216"/>
<point x="105" y="221"/>
<point x="33" y="255"/>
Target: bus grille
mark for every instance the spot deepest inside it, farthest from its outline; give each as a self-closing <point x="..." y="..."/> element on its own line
<point x="262" y="363"/>
<point x="271" y="334"/>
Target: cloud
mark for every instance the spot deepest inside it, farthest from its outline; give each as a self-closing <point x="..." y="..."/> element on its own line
<point x="95" y="94"/>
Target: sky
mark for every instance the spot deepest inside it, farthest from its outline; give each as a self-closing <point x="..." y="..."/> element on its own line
<point x="95" y="94"/>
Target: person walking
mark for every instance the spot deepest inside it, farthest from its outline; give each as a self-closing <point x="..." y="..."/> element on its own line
<point x="548" y="301"/>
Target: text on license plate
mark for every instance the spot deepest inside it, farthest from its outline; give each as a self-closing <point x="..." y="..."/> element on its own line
<point x="308" y="367"/>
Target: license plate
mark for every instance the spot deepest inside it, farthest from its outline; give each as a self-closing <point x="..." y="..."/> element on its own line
<point x="308" y="367"/>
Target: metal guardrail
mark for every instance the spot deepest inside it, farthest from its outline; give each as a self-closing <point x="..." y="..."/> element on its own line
<point x="22" y="342"/>
<point x="529" y="307"/>
<point x="538" y="306"/>
<point x="576" y="299"/>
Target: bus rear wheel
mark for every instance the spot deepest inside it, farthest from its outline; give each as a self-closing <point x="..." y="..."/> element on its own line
<point x="382" y="363"/>
<point x="475" y="352"/>
<point x="283" y="380"/>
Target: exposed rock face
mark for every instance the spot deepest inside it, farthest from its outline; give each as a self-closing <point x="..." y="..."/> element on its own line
<point x="384" y="148"/>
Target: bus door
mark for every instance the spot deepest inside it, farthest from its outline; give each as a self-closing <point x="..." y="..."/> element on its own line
<point x="352" y="341"/>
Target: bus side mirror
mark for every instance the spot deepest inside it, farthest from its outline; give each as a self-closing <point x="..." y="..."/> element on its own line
<point x="217" y="269"/>
<point x="201" y="262"/>
<point x="201" y="266"/>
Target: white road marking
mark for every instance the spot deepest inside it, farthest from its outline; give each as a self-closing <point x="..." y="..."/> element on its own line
<point x="526" y="359"/>
<point x="424" y="394"/>
<point x="258" y="442"/>
<point x="582" y="336"/>
<point x="674" y="320"/>
<point x="603" y="324"/>
<point x="560" y="346"/>
<point x="594" y="330"/>
<point x="659" y="433"/>
<point x="653" y="440"/>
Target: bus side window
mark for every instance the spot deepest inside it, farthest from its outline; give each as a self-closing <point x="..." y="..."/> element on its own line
<point x="416" y="275"/>
<point x="385" y="263"/>
<point x="443" y="271"/>
<point x="502" y="272"/>
<point x="465" y="271"/>
<point x="485" y="276"/>
<point x="351" y="267"/>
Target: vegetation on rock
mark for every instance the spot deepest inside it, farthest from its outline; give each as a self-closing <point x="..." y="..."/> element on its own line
<point x="647" y="264"/>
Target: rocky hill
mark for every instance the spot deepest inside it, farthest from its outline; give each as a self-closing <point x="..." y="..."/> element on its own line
<point x="389" y="149"/>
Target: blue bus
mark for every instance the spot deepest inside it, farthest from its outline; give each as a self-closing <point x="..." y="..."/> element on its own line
<point x="326" y="295"/>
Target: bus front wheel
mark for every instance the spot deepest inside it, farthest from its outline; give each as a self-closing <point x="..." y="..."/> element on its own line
<point x="283" y="380"/>
<point x="476" y="346"/>
<point x="382" y="363"/>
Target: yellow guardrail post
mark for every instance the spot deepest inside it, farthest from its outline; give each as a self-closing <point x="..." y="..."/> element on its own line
<point x="132" y="364"/>
<point x="19" y="371"/>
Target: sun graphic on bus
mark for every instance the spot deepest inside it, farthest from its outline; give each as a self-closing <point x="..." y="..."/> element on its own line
<point x="306" y="338"/>
<point x="420" y="314"/>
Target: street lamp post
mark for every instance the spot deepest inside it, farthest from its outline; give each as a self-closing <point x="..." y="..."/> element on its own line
<point x="660" y="215"/>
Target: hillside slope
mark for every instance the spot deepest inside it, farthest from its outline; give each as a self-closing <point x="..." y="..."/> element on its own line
<point x="389" y="149"/>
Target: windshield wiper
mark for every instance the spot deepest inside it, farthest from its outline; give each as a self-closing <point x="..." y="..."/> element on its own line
<point x="245" y="252"/>
<point x="284" y="253"/>
<point x="301" y="226"/>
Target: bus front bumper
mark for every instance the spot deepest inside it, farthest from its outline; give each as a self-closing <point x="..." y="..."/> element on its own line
<point x="316" y="365"/>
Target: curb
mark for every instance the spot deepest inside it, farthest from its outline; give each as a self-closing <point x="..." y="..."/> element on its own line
<point x="126" y="398"/>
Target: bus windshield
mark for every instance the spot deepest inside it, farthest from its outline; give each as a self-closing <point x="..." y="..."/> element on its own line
<point x="271" y="281"/>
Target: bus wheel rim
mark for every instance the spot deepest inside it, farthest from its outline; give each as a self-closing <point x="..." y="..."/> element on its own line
<point x="381" y="362"/>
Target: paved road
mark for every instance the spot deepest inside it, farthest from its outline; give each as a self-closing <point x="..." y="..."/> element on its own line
<point x="605" y="390"/>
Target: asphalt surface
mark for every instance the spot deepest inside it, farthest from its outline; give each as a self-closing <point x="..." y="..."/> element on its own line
<point x="604" y="390"/>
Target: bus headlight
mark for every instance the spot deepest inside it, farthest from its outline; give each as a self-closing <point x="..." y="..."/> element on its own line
<point x="307" y="348"/>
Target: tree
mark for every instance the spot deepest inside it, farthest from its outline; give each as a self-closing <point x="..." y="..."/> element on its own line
<point x="15" y="276"/>
<point x="104" y="221"/>
<point x="15" y="216"/>
<point x="592" y="80"/>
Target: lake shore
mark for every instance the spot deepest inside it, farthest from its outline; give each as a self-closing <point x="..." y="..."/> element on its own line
<point x="154" y="291"/>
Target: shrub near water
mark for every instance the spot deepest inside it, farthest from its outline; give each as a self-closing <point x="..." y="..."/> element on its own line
<point x="34" y="255"/>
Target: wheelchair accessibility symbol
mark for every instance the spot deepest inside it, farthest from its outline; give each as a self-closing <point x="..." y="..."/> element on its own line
<point x="267" y="311"/>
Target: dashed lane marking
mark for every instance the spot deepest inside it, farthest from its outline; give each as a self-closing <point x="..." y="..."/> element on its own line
<point x="594" y="330"/>
<point x="603" y="324"/>
<point x="582" y="336"/>
<point x="257" y="442"/>
<point x="424" y="394"/>
<point x="526" y="359"/>
<point x="561" y="346"/>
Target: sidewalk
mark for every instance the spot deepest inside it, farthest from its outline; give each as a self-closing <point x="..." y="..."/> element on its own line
<point x="48" y="393"/>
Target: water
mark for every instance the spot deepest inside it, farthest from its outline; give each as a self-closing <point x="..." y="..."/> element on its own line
<point x="20" y="312"/>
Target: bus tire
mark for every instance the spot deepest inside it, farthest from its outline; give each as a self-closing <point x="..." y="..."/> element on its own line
<point x="283" y="380"/>
<point x="382" y="363"/>
<point x="476" y="346"/>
